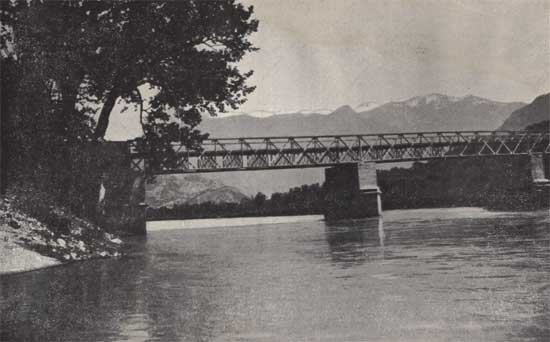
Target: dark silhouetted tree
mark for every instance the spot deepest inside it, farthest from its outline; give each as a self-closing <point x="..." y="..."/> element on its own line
<point x="67" y="62"/>
<point x="259" y="199"/>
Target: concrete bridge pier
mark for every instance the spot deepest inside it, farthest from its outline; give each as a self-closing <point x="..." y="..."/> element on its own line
<point x="352" y="192"/>
<point x="540" y="165"/>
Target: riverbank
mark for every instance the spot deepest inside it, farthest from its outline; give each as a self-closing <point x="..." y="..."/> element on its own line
<point x="413" y="215"/>
<point x="27" y="244"/>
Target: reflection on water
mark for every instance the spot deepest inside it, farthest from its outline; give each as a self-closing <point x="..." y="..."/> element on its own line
<point x="381" y="235"/>
<point x="106" y="300"/>
<point x="419" y="275"/>
<point x="73" y="300"/>
<point x="349" y="241"/>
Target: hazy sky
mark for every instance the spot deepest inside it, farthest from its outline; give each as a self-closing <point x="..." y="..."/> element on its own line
<point x="321" y="54"/>
<point x="326" y="53"/>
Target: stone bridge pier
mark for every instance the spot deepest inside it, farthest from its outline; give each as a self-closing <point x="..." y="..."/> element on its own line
<point x="121" y="204"/>
<point x="352" y="192"/>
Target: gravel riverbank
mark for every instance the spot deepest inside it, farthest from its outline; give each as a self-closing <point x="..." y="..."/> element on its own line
<point x="27" y="244"/>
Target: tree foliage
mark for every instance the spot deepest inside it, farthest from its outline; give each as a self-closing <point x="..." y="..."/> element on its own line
<point x="65" y="64"/>
<point x="99" y="51"/>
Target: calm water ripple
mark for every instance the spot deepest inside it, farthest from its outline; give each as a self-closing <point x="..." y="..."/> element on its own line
<point x="416" y="275"/>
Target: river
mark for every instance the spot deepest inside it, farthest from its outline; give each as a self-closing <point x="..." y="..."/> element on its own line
<point x="415" y="275"/>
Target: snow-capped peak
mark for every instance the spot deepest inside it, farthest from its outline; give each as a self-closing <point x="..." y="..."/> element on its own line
<point x="366" y="106"/>
<point x="435" y="99"/>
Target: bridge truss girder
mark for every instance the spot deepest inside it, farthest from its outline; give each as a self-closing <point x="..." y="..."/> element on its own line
<point x="263" y="153"/>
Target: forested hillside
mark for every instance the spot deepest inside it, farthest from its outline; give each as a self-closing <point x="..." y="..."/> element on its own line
<point x="535" y="112"/>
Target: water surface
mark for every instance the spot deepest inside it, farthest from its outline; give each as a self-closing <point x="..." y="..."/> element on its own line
<point x="416" y="275"/>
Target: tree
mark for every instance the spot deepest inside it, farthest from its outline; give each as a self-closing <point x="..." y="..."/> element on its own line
<point x="543" y="126"/>
<point x="67" y="62"/>
<point x="259" y="200"/>
<point x="94" y="52"/>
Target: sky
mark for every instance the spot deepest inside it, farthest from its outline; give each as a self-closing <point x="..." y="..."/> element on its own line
<point x="322" y="54"/>
<point x="327" y="53"/>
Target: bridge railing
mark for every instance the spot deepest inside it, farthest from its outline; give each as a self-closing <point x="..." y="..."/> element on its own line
<point x="258" y="153"/>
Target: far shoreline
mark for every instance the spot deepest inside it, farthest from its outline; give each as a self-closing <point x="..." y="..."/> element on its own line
<point x="222" y="222"/>
<point x="218" y="222"/>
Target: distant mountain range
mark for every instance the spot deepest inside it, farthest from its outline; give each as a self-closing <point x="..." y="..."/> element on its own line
<point x="422" y="113"/>
<point x="170" y="190"/>
<point x="438" y="112"/>
<point x="534" y="113"/>
<point x="434" y="112"/>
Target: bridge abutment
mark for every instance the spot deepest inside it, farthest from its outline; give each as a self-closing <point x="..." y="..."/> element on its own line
<point x="120" y="206"/>
<point x="352" y="192"/>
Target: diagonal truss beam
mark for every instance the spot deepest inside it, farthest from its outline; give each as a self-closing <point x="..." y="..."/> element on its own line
<point x="316" y="151"/>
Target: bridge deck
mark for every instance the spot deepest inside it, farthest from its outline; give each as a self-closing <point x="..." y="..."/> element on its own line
<point x="261" y="153"/>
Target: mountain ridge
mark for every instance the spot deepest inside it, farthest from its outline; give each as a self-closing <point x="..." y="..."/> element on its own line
<point x="431" y="112"/>
<point x="171" y="190"/>
<point x="396" y="116"/>
<point x="533" y="113"/>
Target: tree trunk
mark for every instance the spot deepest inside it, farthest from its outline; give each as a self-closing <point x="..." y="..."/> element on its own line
<point x="62" y="162"/>
<point x="3" y="147"/>
<point x="8" y="94"/>
<point x="3" y="142"/>
<point x="103" y="121"/>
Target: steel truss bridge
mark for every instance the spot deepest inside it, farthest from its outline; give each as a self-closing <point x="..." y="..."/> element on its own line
<point x="262" y="153"/>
